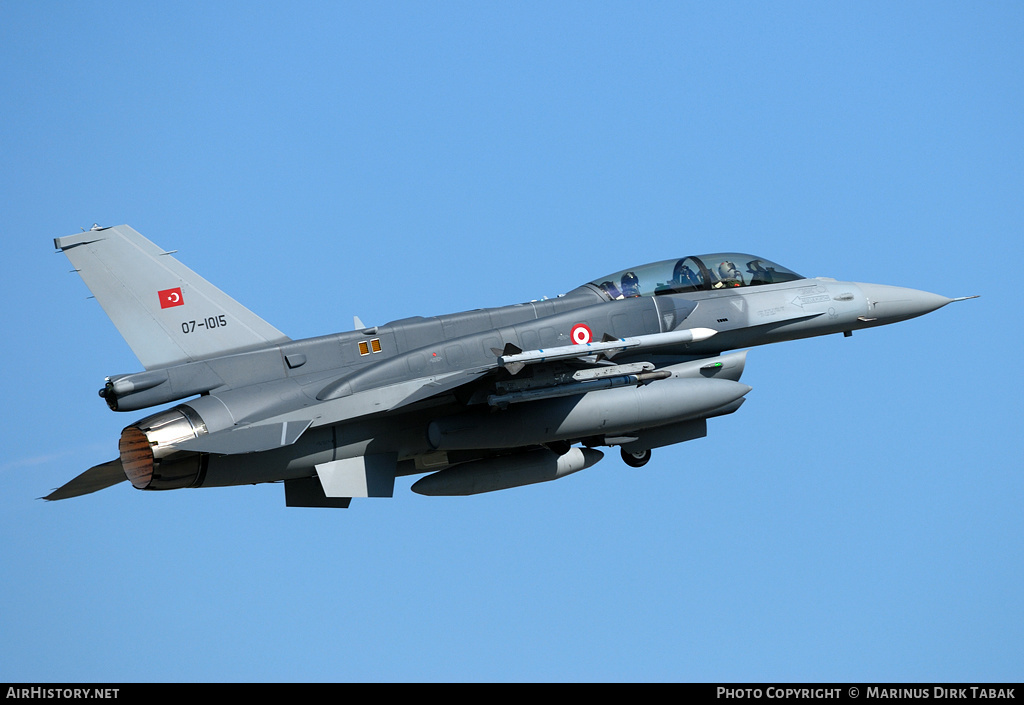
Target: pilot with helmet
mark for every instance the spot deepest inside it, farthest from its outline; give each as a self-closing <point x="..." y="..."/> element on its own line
<point x="630" y="285"/>
<point x="729" y="276"/>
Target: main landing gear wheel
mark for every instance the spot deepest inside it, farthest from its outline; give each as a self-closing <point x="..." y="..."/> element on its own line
<point x="635" y="460"/>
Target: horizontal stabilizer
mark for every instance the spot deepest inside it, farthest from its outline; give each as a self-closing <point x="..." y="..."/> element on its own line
<point x="247" y="439"/>
<point x="92" y="480"/>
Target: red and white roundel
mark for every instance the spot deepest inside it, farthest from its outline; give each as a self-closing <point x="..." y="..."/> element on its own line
<point x="581" y="334"/>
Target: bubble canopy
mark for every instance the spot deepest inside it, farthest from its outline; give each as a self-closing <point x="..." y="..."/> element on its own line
<point x="695" y="273"/>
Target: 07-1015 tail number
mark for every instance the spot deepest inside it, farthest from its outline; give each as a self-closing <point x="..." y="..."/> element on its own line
<point x="206" y="323"/>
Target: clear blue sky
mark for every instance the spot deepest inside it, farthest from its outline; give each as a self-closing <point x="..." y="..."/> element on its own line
<point x="859" y="519"/>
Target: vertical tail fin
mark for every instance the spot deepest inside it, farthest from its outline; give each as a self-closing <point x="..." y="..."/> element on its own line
<point x="166" y="313"/>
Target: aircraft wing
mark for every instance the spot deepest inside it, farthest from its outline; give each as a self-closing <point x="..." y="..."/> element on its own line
<point x="285" y="429"/>
<point x="334" y="409"/>
<point x="337" y="403"/>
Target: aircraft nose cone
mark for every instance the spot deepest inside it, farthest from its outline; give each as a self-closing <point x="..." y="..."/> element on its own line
<point x="890" y="304"/>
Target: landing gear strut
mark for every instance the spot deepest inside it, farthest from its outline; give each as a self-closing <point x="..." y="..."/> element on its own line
<point x="635" y="460"/>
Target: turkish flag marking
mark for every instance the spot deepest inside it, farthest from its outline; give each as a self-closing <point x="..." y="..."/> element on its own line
<point x="170" y="297"/>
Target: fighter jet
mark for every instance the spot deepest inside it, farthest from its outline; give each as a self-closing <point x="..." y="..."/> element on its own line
<point x="484" y="400"/>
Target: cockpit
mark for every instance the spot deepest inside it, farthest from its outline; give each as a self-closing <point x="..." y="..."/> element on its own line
<point x="694" y="273"/>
